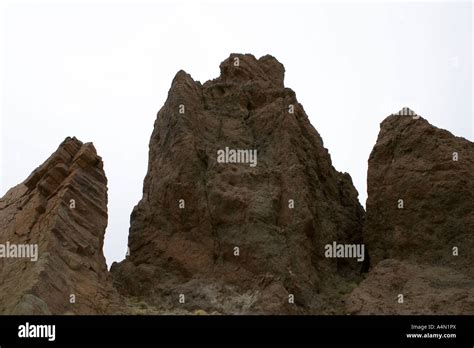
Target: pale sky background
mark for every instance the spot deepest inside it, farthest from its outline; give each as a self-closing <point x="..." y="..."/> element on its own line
<point x="101" y="71"/>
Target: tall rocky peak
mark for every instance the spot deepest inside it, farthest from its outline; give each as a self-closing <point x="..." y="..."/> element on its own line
<point x="239" y="201"/>
<point x="51" y="237"/>
<point x="419" y="223"/>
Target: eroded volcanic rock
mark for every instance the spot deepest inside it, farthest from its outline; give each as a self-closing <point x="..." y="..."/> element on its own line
<point x="432" y="172"/>
<point x="419" y="223"/>
<point x="196" y="211"/>
<point x="62" y="208"/>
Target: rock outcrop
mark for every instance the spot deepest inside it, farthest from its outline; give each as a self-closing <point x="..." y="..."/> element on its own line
<point x="420" y="186"/>
<point x="228" y="236"/>
<point x="420" y="221"/>
<point x="51" y="236"/>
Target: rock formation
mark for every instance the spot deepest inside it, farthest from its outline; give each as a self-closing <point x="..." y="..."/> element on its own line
<point x="60" y="209"/>
<point x="420" y="221"/>
<point x="420" y="195"/>
<point x="240" y="204"/>
<point x="227" y="237"/>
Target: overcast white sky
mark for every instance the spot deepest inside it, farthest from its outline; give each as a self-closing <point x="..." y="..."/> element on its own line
<point x="101" y="71"/>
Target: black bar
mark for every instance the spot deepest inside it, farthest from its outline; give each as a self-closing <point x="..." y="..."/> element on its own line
<point x="291" y="331"/>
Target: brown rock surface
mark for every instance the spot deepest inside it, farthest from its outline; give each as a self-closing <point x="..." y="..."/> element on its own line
<point x="412" y="247"/>
<point x="413" y="161"/>
<point x="426" y="290"/>
<point x="69" y="236"/>
<point x="190" y="250"/>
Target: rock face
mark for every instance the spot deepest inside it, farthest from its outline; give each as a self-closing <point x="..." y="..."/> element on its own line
<point x="60" y="209"/>
<point x="240" y="237"/>
<point x="420" y="221"/>
<point x="425" y="289"/>
<point x="420" y="202"/>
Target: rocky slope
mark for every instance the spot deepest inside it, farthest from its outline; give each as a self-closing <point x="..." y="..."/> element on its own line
<point x="420" y="215"/>
<point x="424" y="289"/>
<point x="242" y="237"/>
<point x="60" y="209"/>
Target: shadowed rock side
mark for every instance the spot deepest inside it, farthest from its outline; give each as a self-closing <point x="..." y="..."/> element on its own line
<point x="195" y="211"/>
<point x="420" y="215"/>
<point x="62" y="208"/>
